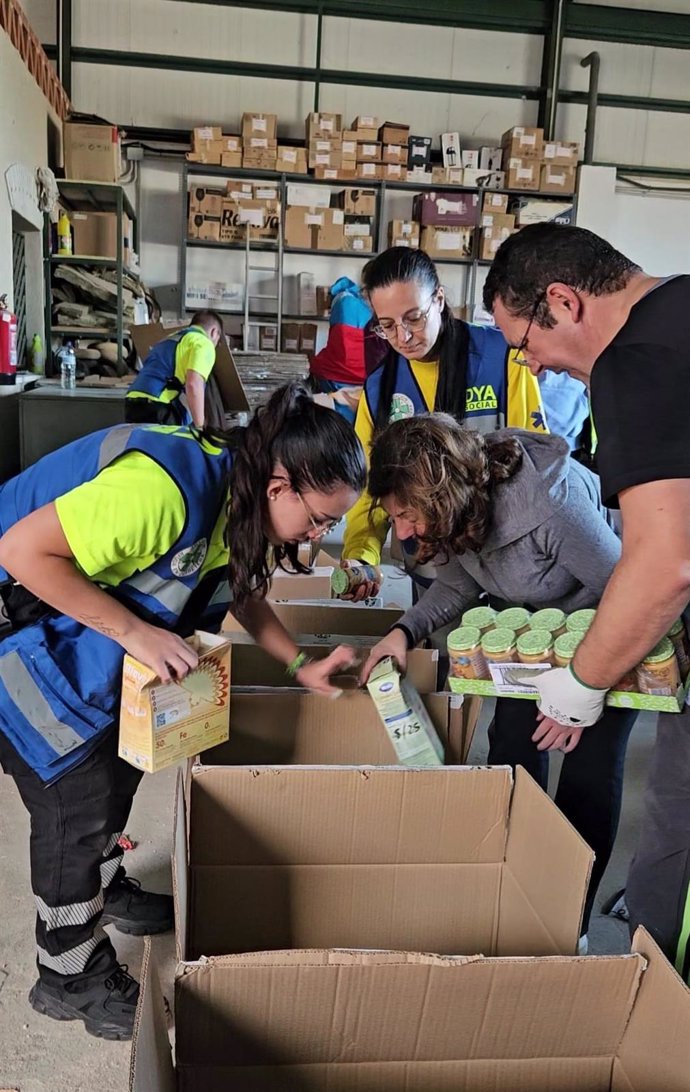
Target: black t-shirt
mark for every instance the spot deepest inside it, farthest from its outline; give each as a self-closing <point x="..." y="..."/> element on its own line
<point x="640" y="389"/>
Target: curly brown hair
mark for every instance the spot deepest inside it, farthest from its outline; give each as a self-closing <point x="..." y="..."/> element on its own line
<point x="445" y="474"/>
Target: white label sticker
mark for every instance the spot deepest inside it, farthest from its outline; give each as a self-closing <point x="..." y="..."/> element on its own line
<point x="529" y="139"/>
<point x="513" y="678"/>
<point x="368" y="168"/>
<point x="258" y="142"/>
<point x="259" y="124"/>
<point x="254" y="217"/>
<point x="290" y="155"/>
<point x="313" y="218"/>
<point x="394" y="170"/>
<point x="323" y="145"/>
<point x="367" y="122"/>
<point x="369" y="150"/>
<point x="448" y="240"/>
<point x="326" y="124"/>
<point x="524" y="173"/>
<point x="357" y="229"/>
<point x="550" y="151"/>
<point x="322" y="160"/>
<point x="349" y="147"/>
<point x="338" y="216"/>
<point x="206" y="133"/>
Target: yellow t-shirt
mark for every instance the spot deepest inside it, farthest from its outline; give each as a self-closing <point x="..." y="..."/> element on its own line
<point x="365" y="534"/>
<point x="128" y="516"/>
<point x="195" y="352"/>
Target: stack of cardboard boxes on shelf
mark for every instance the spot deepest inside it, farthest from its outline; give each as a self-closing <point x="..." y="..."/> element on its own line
<point x="531" y="163"/>
<point x="226" y="215"/>
<point x="318" y="219"/>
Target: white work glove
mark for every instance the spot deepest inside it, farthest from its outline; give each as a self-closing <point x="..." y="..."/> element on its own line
<point x="563" y="698"/>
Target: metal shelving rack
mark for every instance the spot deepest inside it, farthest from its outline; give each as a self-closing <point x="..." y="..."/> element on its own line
<point x="473" y="263"/>
<point x="78" y="196"/>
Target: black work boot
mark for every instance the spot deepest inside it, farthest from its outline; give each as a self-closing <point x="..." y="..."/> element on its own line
<point x="134" y="911"/>
<point x="104" y="996"/>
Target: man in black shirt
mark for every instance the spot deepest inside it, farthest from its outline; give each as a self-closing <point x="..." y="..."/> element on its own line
<point x="571" y="302"/>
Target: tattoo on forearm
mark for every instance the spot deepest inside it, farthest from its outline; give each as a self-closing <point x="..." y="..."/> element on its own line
<point x="95" y="623"/>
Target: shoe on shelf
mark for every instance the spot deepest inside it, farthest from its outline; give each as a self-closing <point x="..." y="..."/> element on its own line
<point x="105" y="1001"/>
<point x="132" y="910"/>
<point x="616" y="907"/>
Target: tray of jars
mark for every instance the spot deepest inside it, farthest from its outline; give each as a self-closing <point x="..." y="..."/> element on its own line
<point x="494" y="654"/>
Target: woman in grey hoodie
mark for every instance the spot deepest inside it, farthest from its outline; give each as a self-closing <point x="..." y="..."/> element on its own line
<point x="509" y="514"/>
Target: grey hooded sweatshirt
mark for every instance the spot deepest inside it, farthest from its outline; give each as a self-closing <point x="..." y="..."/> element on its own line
<point x="550" y="543"/>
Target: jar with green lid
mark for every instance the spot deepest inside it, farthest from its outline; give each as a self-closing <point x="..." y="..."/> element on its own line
<point x="498" y="646"/>
<point x="515" y="618"/>
<point x="658" y="673"/>
<point x="564" y="648"/>
<point x="535" y="647"/>
<point x="347" y="581"/>
<point x="679" y="639"/>
<point x="483" y="618"/>
<point x="465" y="654"/>
<point x="551" y="619"/>
<point x="580" y="620"/>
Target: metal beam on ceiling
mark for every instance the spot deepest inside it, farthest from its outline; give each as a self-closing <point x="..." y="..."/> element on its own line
<point x="167" y="62"/>
<point x="525" y="16"/>
<point x="591" y="21"/>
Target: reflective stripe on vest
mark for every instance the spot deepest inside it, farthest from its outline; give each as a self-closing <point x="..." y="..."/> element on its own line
<point x="31" y="703"/>
<point x="172" y="595"/>
<point x="114" y="444"/>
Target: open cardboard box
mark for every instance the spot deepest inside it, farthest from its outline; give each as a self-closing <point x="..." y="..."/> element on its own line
<point x="450" y="859"/>
<point x="276" y="726"/>
<point x="316" y="584"/>
<point x="225" y="373"/>
<point x="306" y="1021"/>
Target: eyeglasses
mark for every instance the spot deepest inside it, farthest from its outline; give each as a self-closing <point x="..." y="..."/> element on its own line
<point x="320" y="526"/>
<point x="413" y="322"/>
<point x="520" y="349"/>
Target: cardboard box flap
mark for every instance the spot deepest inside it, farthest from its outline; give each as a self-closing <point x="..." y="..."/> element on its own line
<point x="332" y="815"/>
<point x="180" y="865"/>
<point x="151" y="1065"/>
<point x="307" y="1011"/>
<point x="225" y="371"/>
<point x="655" y="1050"/>
<point x="289" y="726"/>
<point x="546" y="875"/>
<point x="327" y="618"/>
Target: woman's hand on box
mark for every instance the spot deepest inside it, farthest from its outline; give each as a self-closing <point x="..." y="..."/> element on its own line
<point x="394" y="644"/>
<point x="165" y="653"/>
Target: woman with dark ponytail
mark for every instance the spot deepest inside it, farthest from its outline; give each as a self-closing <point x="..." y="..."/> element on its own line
<point x="433" y="362"/>
<point x="509" y="514"/>
<point x="128" y="540"/>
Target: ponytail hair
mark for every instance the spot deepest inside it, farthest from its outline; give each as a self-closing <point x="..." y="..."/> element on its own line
<point x="318" y="450"/>
<point x="445" y="474"/>
<point x="404" y="264"/>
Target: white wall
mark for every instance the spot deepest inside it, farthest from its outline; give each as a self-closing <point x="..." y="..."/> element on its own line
<point x="651" y="228"/>
<point x="23" y="139"/>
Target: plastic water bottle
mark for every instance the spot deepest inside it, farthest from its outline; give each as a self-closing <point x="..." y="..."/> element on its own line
<point x="68" y="367"/>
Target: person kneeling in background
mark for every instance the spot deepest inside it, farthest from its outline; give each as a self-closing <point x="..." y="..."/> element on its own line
<point x="508" y="513"/>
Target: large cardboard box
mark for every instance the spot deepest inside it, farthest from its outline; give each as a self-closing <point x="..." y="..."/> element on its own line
<point x="447" y="242"/>
<point x="446" y="209"/>
<point x="403" y="233"/>
<point x="323" y="125"/>
<point x="95" y="234"/>
<point x="522" y="174"/>
<point x="538" y="210"/>
<point x="451" y="859"/>
<point x="206" y="200"/>
<point x="394" y="132"/>
<point x="369" y="172"/>
<point x="299" y="222"/>
<point x="225" y="372"/>
<point x="523" y="142"/>
<point x="408" y="1022"/>
<point x="287" y="587"/>
<point x="92" y="152"/>
<point x="258" y="126"/>
<point x="558" y="154"/>
<point x="557" y="179"/>
<point x="330" y="234"/>
<point x="291" y="160"/>
<point x="161" y="723"/>
<point x="275" y="726"/>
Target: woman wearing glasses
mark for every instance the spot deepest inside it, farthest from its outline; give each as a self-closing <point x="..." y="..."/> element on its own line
<point x="434" y="362"/>
<point x="512" y="515"/>
<point x="130" y="539"/>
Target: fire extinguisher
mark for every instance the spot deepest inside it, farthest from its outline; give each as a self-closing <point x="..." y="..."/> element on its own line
<point x="8" y="343"/>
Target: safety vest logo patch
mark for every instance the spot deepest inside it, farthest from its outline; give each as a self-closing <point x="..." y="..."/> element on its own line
<point x="481" y="398"/>
<point x="189" y="561"/>
<point x="401" y="407"/>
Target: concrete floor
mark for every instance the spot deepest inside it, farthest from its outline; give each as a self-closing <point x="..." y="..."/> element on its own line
<point x="40" y="1055"/>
